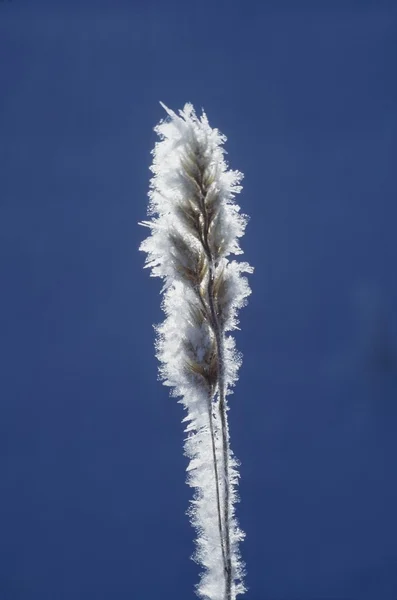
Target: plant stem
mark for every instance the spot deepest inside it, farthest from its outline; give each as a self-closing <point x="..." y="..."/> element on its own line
<point x="225" y="436"/>
<point x="218" y="333"/>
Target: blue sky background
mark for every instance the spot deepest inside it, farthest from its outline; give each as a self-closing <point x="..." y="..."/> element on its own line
<point x="92" y="481"/>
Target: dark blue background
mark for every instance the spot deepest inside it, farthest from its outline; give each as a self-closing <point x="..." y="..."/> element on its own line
<point x="92" y="476"/>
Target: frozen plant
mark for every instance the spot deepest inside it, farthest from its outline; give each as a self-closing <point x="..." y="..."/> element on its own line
<point x="195" y="226"/>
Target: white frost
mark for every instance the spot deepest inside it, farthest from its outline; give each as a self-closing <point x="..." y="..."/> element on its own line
<point x="189" y="147"/>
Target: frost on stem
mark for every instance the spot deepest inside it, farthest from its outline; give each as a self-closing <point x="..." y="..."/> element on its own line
<point x="195" y="227"/>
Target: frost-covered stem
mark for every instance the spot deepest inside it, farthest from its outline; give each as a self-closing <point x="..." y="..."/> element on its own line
<point x="217" y="484"/>
<point x="218" y="332"/>
<point x="225" y="437"/>
<point x="195" y="227"/>
<point x="223" y="523"/>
